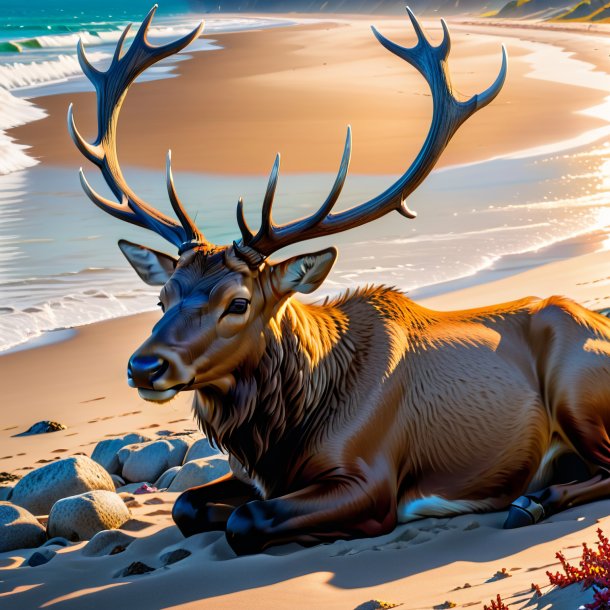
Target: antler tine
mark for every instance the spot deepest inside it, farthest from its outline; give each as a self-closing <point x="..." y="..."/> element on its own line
<point x="119" y="45"/>
<point x="192" y="232"/>
<point x="489" y="95"/>
<point x="111" y="87"/>
<point x="337" y="187"/>
<point x="448" y="114"/>
<point x="267" y="228"/>
<point x="246" y="232"/>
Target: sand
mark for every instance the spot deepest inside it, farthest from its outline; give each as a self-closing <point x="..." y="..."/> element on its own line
<point x="231" y="111"/>
<point x="81" y="381"/>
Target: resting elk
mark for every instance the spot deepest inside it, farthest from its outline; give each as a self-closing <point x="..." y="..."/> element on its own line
<point x="348" y="417"/>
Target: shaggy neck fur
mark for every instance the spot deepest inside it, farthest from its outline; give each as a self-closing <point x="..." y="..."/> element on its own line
<point x="281" y="404"/>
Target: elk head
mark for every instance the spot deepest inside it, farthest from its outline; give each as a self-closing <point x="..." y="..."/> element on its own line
<point x="219" y="301"/>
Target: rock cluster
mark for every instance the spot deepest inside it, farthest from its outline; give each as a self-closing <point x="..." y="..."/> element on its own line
<point x="82" y="498"/>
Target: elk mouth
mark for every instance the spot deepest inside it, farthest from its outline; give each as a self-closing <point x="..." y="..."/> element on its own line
<point x="163" y="395"/>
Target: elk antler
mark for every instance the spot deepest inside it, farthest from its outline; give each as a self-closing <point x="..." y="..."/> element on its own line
<point x="447" y="116"/>
<point x="111" y="87"/>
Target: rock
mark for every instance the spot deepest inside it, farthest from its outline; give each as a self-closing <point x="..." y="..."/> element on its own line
<point x="5" y="493"/>
<point x="42" y="427"/>
<point x="106" y="451"/>
<point x="377" y="604"/>
<point x="146" y="462"/>
<point x="200" y="449"/>
<point x="175" y="556"/>
<point x="40" y="489"/>
<point x="107" y="542"/>
<point x="199" y="472"/>
<point x="81" y="517"/>
<point x="19" y="529"/>
<point x="8" y="477"/>
<point x="40" y="558"/>
<point x="181" y="445"/>
<point x="134" y="569"/>
<point x="117" y="480"/>
<point x="165" y="480"/>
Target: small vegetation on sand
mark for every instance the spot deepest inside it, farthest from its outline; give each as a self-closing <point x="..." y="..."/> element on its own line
<point x="593" y="570"/>
<point x="496" y="604"/>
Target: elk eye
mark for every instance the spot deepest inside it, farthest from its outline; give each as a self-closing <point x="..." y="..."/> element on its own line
<point x="238" y="306"/>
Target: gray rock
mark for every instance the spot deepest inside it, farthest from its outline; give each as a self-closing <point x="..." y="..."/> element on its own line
<point x="19" y="529"/>
<point x="199" y="472"/>
<point x="181" y="445"/>
<point x="41" y="488"/>
<point x="107" y="542"/>
<point x="175" y="556"/>
<point x="200" y="449"/>
<point x="106" y="451"/>
<point x="42" y="427"/>
<point x="147" y="461"/>
<point x="39" y="558"/>
<point x="117" y="480"/>
<point x="5" y="493"/>
<point x="81" y="517"/>
<point x="165" y="480"/>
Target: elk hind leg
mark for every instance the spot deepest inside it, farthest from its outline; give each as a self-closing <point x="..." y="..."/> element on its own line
<point x="534" y="507"/>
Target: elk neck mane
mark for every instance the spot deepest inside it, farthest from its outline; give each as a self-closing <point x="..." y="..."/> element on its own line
<point x="303" y="384"/>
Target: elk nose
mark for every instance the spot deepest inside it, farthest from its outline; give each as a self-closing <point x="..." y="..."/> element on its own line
<point x="143" y="370"/>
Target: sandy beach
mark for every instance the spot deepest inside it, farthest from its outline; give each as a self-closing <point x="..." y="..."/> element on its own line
<point x="228" y="112"/>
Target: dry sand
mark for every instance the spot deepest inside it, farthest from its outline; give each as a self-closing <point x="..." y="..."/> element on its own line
<point x="81" y="381"/>
<point x="231" y="111"/>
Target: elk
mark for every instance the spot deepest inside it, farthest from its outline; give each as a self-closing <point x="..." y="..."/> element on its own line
<point x="347" y="417"/>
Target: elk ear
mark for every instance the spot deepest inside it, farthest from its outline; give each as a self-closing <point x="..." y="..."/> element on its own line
<point x="304" y="273"/>
<point x="155" y="268"/>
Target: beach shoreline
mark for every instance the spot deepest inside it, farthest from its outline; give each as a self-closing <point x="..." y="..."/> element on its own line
<point x="286" y="70"/>
<point x="305" y="84"/>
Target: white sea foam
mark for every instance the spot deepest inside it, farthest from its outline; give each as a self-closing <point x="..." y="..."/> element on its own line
<point x="15" y="112"/>
<point x="17" y="75"/>
<point x="75" y="309"/>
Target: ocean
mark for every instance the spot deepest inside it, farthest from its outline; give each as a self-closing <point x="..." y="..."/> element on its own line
<point x="59" y="264"/>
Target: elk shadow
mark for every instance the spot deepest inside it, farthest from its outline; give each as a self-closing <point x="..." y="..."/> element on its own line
<point x="209" y="569"/>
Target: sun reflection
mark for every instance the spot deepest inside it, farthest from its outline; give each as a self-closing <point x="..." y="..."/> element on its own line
<point x="604" y="175"/>
<point x="603" y="223"/>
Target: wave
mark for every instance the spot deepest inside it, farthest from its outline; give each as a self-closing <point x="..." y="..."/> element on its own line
<point x="93" y="37"/>
<point x="19" y="75"/>
<point x="82" y="301"/>
<point x="15" y="112"/>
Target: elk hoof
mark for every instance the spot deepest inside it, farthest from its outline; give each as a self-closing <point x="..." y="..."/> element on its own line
<point x="525" y="510"/>
<point x="244" y="531"/>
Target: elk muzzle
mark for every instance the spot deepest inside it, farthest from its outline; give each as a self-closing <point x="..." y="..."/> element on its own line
<point x="150" y="374"/>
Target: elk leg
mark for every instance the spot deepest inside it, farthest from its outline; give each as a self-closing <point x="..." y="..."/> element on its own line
<point x="208" y="507"/>
<point x="534" y="507"/>
<point x="322" y="512"/>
